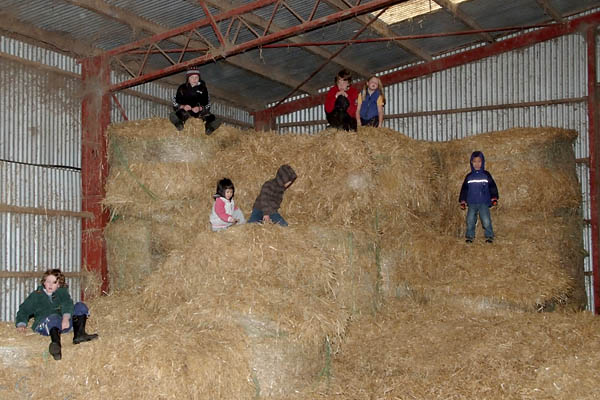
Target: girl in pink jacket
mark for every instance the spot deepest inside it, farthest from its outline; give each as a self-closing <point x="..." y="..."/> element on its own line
<point x="224" y="212"/>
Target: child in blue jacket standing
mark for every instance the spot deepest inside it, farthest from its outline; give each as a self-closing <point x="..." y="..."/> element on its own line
<point x="479" y="192"/>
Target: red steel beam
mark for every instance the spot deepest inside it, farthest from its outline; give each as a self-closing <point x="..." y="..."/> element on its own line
<point x="594" y="165"/>
<point x="355" y="41"/>
<point x="406" y="37"/>
<point x="213" y="23"/>
<point x="270" y="38"/>
<point x="95" y="117"/>
<point x="527" y="39"/>
<point x="189" y="27"/>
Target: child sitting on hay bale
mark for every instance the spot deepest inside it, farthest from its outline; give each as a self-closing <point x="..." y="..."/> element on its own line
<point x="52" y="307"/>
<point x="224" y="212"/>
<point x="192" y="100"/>
<point x="479" y="192"/>
<point x="370" y="103"/>
<point x="340" y="103"/>
<point x="271" y="195"/>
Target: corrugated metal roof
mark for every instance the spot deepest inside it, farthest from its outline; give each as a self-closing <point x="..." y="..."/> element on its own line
<point x="258" y="75"/>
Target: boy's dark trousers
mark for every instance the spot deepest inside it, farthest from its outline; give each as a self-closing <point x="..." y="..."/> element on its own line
<point x="339" y="118"/>
<point x="179" y="117"/>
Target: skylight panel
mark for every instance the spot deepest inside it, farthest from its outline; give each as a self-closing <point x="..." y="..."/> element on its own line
<point x="410" y="9"/>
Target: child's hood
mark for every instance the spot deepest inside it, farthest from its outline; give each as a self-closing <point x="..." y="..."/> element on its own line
<point x="480" y="155"/>
<point x="285" y="174"/>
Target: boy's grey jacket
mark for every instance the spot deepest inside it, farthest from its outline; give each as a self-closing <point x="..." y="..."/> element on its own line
<point x="479" y="186"/>
<point x="271" y="194"/>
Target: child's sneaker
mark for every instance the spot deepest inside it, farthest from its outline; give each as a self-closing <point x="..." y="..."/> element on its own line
<point x="489" y="240"/>
<point x="468" y="240"/>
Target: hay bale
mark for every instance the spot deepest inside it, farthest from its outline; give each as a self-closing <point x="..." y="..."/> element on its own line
<point x="287" y="290"/>
<point x="533" y="168"/>
<point x="129" y="252"/>
<point x="441" y="269"/>
<point x="411" y="350"/>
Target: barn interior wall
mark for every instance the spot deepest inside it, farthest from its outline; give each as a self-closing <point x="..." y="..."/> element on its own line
<point x="40" y="163"/>
<point x="542" y="85"/>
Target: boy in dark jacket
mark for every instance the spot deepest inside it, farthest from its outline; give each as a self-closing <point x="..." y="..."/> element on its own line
<point x="53" y="312"/>
<point x="479" y="193"/>
<point x="192" y="100"/>
<point x="271" y="195"/>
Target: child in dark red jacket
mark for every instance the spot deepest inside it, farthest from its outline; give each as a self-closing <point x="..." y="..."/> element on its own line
<point x="340" y="103"/>
<point x="54" y="313"/>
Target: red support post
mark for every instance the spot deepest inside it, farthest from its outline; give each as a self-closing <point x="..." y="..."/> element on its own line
<point x="264" y="122"/>
<point x="594" y="149"/>
<point x="95" y="117"/>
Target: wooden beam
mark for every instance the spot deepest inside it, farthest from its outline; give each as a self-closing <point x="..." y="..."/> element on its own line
<point x="58" y="42"/>
<point x="215" y="93"/>
<point x="382" y="29"/>
<point x="37" y="274"/>
<point x="139" y="24"/>
<point x="550" y="10"/>
<point x="6" y="208"/>
<point x="453" y="9"/>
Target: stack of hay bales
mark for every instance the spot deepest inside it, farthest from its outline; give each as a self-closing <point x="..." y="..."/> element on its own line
<point x="370" y="284"/>
<point x="290" y="291"/>
<point x="536" y="259"/>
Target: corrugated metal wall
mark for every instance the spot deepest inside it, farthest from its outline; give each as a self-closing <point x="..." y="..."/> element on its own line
<point x="39" y="169"/>
<point x="543" y="85"/>
<point x="40" y="161"/>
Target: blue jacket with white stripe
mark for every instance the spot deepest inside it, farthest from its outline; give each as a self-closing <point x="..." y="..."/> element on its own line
<point x="479" y="186"/>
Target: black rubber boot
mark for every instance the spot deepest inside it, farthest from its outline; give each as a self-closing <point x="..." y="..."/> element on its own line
<point x="79" y="334"/>
<point x="175" y="120"/>
<point x="210" y="127"/>
<point x="55" y="348"/>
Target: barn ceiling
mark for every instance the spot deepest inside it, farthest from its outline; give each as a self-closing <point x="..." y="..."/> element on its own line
<point x="254" y="53"/>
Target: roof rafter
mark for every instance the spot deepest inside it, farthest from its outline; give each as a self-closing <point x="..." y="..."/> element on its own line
<point x="548" y="32"/>
<point x="140" y="24"/>
<point x="550" y="11"/>
<point x="382" y="29"/>
<point x="453" y="9"/>
<point x="234" y="48"/>
<point x="258" y="21"/>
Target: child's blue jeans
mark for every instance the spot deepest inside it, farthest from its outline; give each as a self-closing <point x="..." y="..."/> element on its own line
<point x="486" y="220"/>
<point x="55" y="320"/>
<point x="257" y="216"/>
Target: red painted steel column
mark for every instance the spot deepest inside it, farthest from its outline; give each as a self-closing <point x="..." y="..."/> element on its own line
<point x="594" y="149"/>
<point x="264" y="122"/>
<point x="95" y="117"/>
